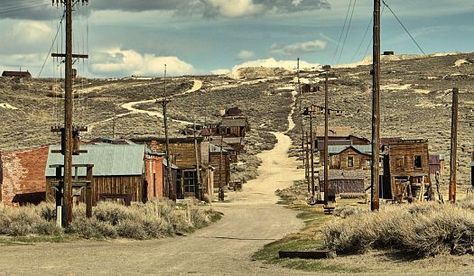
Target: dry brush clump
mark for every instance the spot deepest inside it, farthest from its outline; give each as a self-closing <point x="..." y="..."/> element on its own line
<point x="154" y="219"/>
<point x="418" y="230"/>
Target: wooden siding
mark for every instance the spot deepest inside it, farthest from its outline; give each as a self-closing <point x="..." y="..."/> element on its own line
<point x="184" y="153"/>
<point x="124" y="185"/>
<point x="343" y="186"/>
<point x="340" y="161"/>
<point x="222" y="172"/>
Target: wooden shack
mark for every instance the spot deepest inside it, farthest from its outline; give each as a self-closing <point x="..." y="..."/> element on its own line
<point x="406" y="170"/>
<point x="353" y="157"/>
<point x="183" y="154"/>
<point x="17" y="74"/>
<point x="344" y="182"/>
<point x="219" y="159"/>
<point x="121" y="171"/>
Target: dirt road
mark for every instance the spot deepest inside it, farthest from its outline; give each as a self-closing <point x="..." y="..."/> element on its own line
<point x="251" y="220"/>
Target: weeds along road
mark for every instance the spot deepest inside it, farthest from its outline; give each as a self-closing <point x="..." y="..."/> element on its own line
<point x="251" y="219"/>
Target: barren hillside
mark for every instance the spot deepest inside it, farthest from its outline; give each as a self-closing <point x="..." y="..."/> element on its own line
<point x="415" y="104"/>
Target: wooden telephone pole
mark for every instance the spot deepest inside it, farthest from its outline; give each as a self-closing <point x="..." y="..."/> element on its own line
<point x="69" y="133"/>
<point x="200" y="191"/>
<point x="375" y="169"/>
<point x="164" y="102"/>
<point x="454" y="146"/>
<point x="326" y="138"/>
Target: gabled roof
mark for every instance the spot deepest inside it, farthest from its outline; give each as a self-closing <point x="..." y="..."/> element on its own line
<point x="108" y="159"/>
<point x="362" y="149"/>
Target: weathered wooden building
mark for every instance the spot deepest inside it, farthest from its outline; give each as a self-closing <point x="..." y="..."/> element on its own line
<point x="338" y="136"/>
<point x="220" y="160"/>
<point x="436" y="164"/>
<point x="309" y="88"/>
<point x="344" y="182"/>
<point x="17" y="74"/>
<point x="121" y="171"/>
<point x="406" y="170"/>
<point x="349" y="157"/>
<point x="183" y="153"/>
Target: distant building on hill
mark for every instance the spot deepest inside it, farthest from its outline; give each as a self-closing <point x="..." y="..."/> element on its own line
<point x="17" y="74"/>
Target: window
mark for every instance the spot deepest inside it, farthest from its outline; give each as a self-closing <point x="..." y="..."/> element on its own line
<point x="350" y="161"/>
<point x="400" y="162"/>
<point x="189" y="179"/>
<point x="417" y="162"/>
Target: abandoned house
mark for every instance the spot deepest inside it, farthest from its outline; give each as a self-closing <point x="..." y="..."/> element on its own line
<point x="22" y="179"/>
<point x="220" y="160"/>
<point x="338" y="136"/>
<point x="17" y="74"/>
<point x="406" y="170"/>
<point x="232" y="112"/>
<point x="349" y="157"/>
<point x="344" y="182"/>
<point x="126" y="172"/>
<point x="183" y="153"/>
<point x="436" y="164"/>
<point x="309" y="88"/>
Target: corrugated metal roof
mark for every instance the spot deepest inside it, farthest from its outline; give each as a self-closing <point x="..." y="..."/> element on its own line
<point x="108" y="159"/>
<point x="472" y="164"/>
<point x="335" y="149"/>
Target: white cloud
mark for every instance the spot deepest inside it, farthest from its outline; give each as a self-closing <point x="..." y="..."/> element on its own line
<point x="299" y="48"/>
<point x="220" y="71"/>
<point x="129" y="62"/>
<point x="233" y="8"/>
<point x="245" y="54"/>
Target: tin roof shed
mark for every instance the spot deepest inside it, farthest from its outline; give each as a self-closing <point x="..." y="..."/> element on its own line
<point x="108" y="159"/>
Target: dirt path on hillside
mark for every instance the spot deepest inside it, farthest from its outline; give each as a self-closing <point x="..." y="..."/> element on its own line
<point x="131" y="107"/>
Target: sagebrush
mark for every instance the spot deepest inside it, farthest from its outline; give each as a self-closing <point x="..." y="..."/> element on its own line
<point x="154" y="219"/>
<point x="419" y="230"/>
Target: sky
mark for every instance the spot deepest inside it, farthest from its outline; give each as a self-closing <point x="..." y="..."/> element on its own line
<point x="137" y="37"/>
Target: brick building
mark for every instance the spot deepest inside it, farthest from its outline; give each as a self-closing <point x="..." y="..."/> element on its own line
<point x="22" y="179"/>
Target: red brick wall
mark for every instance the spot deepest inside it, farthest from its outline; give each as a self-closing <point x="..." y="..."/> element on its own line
<point x="23" y="172"/>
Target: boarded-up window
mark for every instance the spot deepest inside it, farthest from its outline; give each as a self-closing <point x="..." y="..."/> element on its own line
<point x="417" y="162"/>
<point x="350" y="161"/>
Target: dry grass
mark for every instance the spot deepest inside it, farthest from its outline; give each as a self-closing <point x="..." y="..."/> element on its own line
<point x="155" y="219"/>
<point x="418" y="230"/>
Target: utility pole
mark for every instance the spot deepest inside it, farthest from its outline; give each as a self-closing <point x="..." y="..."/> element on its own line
<point x="454" y="146"/>
<point x="198" y="163"/>
<point x="375" y="169"/>
<point x="309" y="111"/>
<point x="326" y="139"/>
<point x="307" y="161"/>
<point x="69" y="134"/>
<point x="300" y="100"/>
<point x="171" y="190"/>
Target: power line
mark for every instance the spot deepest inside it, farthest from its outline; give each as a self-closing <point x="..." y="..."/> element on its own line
<point x="52" y="45"/>
<point x="403" y="26"/>
<point x="362" y="40"/>
<point x="342" y="31"/>
<point x="347" y="31"/>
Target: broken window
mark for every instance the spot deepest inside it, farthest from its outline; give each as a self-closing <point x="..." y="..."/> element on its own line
<point x="350" y="161"/>
<point x="417" y="162"/>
